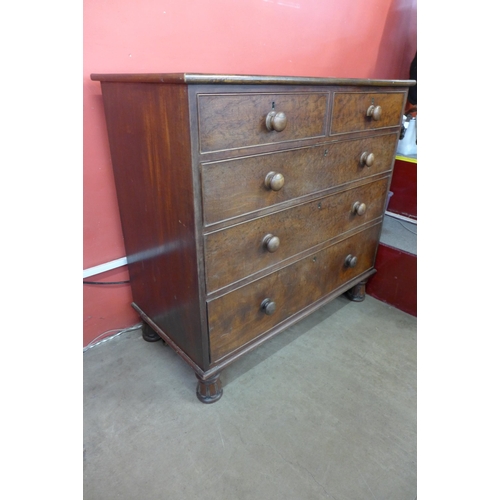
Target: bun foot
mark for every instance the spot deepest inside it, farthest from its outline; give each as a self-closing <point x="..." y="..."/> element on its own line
<point x="148" y="334"/>
<point x="357" y="293"/>
<point x="209" y="390"/>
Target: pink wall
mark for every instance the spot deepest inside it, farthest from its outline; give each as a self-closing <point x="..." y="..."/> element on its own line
<point x="334" y="38"/>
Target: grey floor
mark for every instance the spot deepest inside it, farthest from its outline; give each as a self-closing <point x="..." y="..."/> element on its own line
<point x="327" y="409"/>
<point x="400" y="234"/>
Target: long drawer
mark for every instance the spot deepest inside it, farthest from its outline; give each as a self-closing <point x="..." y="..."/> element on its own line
<point x="230" y="121"/>
<point x="235" y="187"/>
<point x="242" y="315"/>
<point x="244" y="249"/>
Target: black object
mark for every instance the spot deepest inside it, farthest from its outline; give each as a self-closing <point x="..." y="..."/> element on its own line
<point x="412" y="91"/>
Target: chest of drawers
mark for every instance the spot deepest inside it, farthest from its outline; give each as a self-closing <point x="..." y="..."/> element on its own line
<point x="246" y="202"/>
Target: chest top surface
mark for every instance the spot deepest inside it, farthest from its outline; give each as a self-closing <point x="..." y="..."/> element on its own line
<point x="210" y="78"/>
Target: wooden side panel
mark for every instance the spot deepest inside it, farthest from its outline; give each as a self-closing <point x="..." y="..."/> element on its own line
<point x="148" y="128"/>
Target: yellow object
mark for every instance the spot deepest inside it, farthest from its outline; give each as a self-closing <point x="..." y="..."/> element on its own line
<point x="406" y="158"/>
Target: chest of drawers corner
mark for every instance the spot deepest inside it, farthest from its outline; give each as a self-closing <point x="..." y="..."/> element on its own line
<point x="246" y="202"/>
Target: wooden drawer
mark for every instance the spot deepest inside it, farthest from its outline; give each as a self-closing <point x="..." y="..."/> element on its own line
<point x="237" y="318"/>
<point x="350" y="111"/>
<point x="232" y="254"/>
<point x="231" y="121"/>
<point x="235" y="187"/>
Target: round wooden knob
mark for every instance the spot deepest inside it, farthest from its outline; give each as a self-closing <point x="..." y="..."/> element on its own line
<point x="351" y="260"/>
<point x="268" y="306"/>
<point x="359" y="208"/>
<point x="271" y="243"/>
<point x="276" y="121"/>
<point x="274" y="181"/>
<point x="374" y="112"/>
<point x="367" y="159"/>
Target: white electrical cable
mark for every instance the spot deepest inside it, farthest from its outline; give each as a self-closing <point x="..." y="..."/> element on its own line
<point x="107" y="266"/>
<point x="402" y="217"/>
<point x="96" y="341"/>
<point x="413" y="232"/>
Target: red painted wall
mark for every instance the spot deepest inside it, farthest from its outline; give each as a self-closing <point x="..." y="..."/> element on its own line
<point x="333" y="38"/>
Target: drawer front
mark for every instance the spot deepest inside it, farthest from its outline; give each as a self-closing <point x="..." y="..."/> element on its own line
<point x="236" y="252"/>
<point x="350" y="111"/>
<point x="231" y="121"/>
<point x="235" y="187"/>
<point x="237" y="317"/>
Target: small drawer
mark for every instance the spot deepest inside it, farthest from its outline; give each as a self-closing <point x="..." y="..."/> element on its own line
<point x="246" y="313"/>
<point x="232" y="121"/>
<point x="236" y="252"/>
<point x="357" y="111"/>
<point x="232" y="188"/>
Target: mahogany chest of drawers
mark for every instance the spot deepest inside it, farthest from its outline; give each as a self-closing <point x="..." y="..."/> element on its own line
<point x="246" y="202"/>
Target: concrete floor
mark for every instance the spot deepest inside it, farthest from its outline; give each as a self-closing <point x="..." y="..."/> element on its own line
<point x="399" y="234"/>
<point x="327" y="409"/>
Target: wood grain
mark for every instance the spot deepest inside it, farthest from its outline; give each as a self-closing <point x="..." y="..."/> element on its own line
<point x="233" y="188"/>
<point x="236" y="252"/>
<point x="349" y="110"/>
<point x="149" y="142"/>
<point x="236" y="318"/>
<point x="190" y="156"/>
<point x="234" y="121"/>
<point x="211" y="78"/>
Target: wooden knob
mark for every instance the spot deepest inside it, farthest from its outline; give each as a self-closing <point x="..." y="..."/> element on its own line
<point x="271" y="243"/>
<point x="374" y="112"/>
<point x="351" y="261"/>
<point x="268" y="306"/>
<point x="276" y="121"/>
<point x="359" y="208"/>
<point x="274" y="181"/>
<point x="367" y="159"/>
